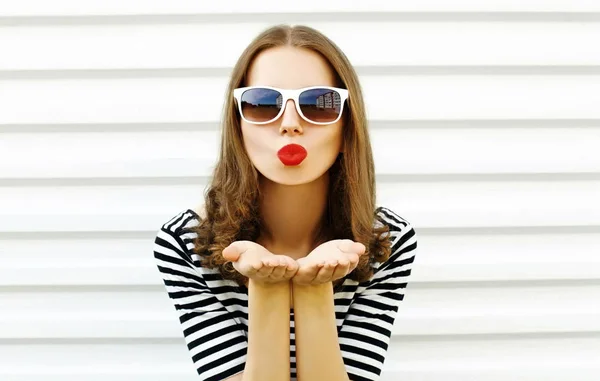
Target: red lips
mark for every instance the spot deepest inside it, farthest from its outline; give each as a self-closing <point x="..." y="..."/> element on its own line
<point x="292" y="154"/>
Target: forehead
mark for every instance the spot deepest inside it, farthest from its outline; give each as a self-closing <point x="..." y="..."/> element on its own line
<point x="290" y="67"/>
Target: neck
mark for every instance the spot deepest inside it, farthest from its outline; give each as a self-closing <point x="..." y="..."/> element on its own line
<point x="292" y="215"/>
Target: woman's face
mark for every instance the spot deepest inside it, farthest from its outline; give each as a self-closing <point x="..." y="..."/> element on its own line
<point x="291" y="68"/>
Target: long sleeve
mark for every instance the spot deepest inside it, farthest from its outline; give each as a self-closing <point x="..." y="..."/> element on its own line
<point x="365" y="333"/>
<point x="216" y="340"/>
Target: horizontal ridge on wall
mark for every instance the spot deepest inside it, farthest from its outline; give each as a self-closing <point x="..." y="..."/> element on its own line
<point x="137" y="7"/>
<point x="195" y="49"/>
<point x="187" y="100"/>
<point x="505" y="152"/>
<point x="431" y="311"/>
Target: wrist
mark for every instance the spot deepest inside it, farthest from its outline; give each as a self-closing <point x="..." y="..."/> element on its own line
<point x="273" y="298"/>
<point x="314" y="289"/>
<point x="314" y="300"/>
<point x="268" y="286"/>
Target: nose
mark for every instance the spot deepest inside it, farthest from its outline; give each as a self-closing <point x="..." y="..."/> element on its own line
<point x="290" y="120"/>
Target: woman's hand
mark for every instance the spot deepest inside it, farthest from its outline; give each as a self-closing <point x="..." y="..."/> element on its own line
<point x="255" y="262"/>
<point x="328" y="262"/>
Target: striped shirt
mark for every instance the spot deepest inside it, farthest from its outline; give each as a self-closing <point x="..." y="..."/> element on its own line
<point x="213" y="311"/>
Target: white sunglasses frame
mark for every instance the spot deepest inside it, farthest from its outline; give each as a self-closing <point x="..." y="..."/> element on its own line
<point x="288" y="94"/>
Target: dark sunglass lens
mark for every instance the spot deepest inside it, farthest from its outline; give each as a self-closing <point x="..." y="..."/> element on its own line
<point x="261" y="105"/>
<point x="320" y="105"/>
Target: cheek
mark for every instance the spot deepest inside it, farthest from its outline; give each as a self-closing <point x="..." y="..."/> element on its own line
<point x="255" y="140"/>
<point x="248" y="136"/>
<point x="332" y="141"/>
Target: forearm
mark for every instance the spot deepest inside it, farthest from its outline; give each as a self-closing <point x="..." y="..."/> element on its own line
<point x="268" y="355"/>
<point x="318" y="355"/>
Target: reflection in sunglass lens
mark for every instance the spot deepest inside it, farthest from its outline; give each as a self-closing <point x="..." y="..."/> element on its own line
<point x="261" y="105"/>
<point x="320" y="105"/>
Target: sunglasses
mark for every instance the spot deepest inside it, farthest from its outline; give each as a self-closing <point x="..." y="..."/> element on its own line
<point x="316" y="104"/>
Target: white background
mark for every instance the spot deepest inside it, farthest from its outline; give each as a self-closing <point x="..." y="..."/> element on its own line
<point x="485" y="121"/>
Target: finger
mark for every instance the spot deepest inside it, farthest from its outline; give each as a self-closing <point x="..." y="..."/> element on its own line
<point x="291" y="263"/>
<point x="354" y="247"/>
<point x="267" y="268"/>
<point x="345" y="245"/>
<point x="290" y="272"/>
<point x="359" y="248"/>
<point x="353" y="260"/>
<point x="255" y="267"/>
<point x="306" y="273"/>
<point x="291" y="267"/>
<point x="348" y="246"/>
<point x="343" y="262"/>
<point x="279" y="269"/>
<point x="341" y="270"/>
<point x="234" y="250"/>
<point x="325" y="273"/>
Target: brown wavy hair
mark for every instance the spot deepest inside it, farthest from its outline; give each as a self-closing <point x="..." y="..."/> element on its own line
<point x="232" y="198"/>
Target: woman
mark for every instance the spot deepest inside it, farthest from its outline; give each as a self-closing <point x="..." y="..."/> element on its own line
<point x="289" y="270"/>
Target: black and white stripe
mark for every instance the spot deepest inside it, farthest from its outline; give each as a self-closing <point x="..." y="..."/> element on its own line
<point x="213" y="312"/>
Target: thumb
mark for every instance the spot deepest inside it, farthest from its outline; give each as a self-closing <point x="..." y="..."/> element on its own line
<point x="234" y="250"/>
<point x="348" y="246"/>
<point x="360" y="248"/>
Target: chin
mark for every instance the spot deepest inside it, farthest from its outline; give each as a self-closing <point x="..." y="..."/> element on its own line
<point x="292" y="175"/>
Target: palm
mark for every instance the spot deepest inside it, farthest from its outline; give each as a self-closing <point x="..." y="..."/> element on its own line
<point x="330" y="261"/>
<point x="255" y="262"/>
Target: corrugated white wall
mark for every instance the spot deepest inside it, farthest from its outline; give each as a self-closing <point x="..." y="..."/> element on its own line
<point x="485" y="120"/>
